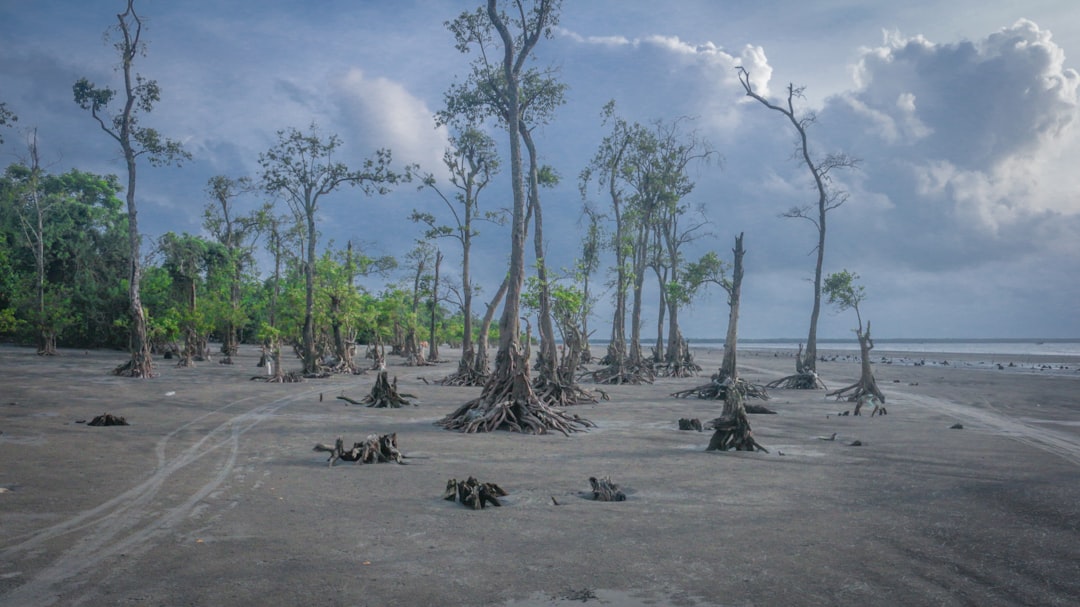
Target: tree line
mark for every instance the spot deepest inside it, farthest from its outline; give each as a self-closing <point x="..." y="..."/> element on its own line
<point x="62" y="237"/>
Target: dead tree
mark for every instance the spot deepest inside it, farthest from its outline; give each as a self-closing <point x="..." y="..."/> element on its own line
<point x="829" y="198"/>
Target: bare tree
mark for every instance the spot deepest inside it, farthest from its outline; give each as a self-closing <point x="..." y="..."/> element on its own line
<point x="139" y="96"/>
<point x="829" y="198"/>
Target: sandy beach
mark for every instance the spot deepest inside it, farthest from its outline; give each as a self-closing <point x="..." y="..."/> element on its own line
<point x="213" y="495"/>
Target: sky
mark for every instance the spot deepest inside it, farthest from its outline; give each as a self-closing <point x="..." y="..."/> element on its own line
<point x="962" y="219"/>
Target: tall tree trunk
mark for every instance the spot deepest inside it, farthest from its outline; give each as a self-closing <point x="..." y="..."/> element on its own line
<point x="729" y="367"/>
<point x="433" y="340"/>
<point x="547" y="354"/>
<point x="311" y="365"/>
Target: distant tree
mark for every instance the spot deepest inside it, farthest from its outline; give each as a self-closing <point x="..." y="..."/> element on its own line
<point x="829" y="198"/>
<point x="139" y="97"/>
<point x="33" y="205"/>
<point x="844" y="292"/>
<point x="237" y="233"/>
<point x="587" y="265"/>
<point x="608" y="168"/>
<point x="7" y="117"/>
<point x="301" y="168"/>
<point x="472" y="162"/>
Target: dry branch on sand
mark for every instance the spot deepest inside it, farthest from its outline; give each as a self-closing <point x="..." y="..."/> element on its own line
<point x="472" y="493"/>
<point x="375" y="449"/>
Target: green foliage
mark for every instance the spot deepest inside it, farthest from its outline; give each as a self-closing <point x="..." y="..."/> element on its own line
<point x="83" y="240"/>
<point x="843" y="291"/>
<point x="7" y="117"/>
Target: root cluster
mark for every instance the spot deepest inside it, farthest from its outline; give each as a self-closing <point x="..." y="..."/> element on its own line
<point x="375" y="449"/>
<point x="473" y="494"/>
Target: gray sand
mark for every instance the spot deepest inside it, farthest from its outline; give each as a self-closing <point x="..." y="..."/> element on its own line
<point x="212" y="496"/>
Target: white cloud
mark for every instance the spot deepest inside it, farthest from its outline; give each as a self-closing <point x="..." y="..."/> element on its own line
<point x="384" y="114"/>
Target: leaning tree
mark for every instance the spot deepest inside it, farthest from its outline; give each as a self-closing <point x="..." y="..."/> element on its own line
<point x="843" y="291"/>
<point x="135" y="140"/>
<point x="829" y="197"/>
<point x="508" y="400"/>
<point x="301" y="168"/>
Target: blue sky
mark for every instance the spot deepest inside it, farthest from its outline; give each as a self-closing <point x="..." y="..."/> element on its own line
<point x="963" y="220"/>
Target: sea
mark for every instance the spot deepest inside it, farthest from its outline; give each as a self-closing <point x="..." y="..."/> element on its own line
<point x="1011" y="347"/>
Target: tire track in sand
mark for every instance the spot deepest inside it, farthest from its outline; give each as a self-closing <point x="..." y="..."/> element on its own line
<point x="1062" y="444"/>
<point x="128" y="521"/>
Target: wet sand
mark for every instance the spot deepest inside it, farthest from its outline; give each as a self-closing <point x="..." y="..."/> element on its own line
<point x="212" y="496"/>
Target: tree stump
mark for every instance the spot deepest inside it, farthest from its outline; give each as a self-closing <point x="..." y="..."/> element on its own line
<point x="732" y="432"/>
<point x="384" y="394"/>
<point x="473" y="494"/>
<point x="606" y="491"/>
<point x="375" y="449"/>
<point x="108" y="419"/>
<point x="690" y="424"/>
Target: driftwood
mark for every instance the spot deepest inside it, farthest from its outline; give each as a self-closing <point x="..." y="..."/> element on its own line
<point x="606" y="491"/>
<point x="472" y="493"/>
<point x="375" y="449"/>
<point x="384" y="394"/>
<point x="690" y="424"/>
<point x="108" y="419"/>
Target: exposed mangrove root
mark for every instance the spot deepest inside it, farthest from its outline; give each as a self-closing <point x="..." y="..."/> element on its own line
<point x="508" y="402"/>
<point x="858" y="391"/>
<point x="807" y="380"/>
<point x="473" y="494"/>
<point x="384" y="394"/>
<point x="624" y="372"/>
<point x="690" y="424"/>
<point x="375" y="449"/>
<point x="717" y="389"/>
<point x="108" y="419"/>
<point x="603" y="490"/>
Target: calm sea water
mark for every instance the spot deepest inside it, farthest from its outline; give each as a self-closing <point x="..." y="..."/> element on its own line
<point x="1013" y="347"/>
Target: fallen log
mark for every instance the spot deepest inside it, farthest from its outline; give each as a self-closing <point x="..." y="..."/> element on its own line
<point x="690" y="424"/>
